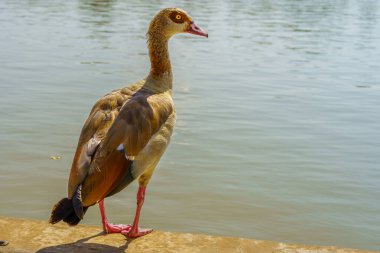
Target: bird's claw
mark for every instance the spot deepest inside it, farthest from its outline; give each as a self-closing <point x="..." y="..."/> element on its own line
<point x="134" y="233"/>
<point x="116" y="228"/>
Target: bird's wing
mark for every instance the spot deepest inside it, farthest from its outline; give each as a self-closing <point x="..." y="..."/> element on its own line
<point x="138" y="120"/>
<point x="94" y="130"/>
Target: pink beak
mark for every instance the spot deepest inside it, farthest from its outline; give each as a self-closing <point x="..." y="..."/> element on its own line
<point x="194" y="29"/>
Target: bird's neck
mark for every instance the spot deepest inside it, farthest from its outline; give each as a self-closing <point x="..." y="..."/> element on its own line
<point x="160" y="76"/>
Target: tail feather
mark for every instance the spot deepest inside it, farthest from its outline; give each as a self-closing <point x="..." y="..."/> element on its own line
<point x="64" y="210"/>
<point x="77" y="202"/>
<point x="72" y="219"/>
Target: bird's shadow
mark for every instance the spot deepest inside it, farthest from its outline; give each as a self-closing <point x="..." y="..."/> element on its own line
<point x="81" y="246"/>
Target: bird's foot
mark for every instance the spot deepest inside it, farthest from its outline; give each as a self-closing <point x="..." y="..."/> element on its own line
<point x="116" y="228"/>
<point x="134" y="233"/>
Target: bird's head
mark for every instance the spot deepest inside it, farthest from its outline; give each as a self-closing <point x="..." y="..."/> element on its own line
<point x="171" y="21"/>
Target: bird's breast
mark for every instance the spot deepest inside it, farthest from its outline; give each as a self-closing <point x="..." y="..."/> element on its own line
<point x="150" y="155"/>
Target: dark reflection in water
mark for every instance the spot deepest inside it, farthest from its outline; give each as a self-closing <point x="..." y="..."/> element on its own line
<point x="277" y="133"/>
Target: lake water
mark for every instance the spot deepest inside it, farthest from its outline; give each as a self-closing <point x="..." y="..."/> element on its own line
<point x="278" y="132"/>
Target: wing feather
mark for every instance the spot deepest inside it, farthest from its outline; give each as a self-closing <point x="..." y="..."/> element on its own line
<point x="136" y="123"/>
<point x="138" y="120"/>
<point x="94" y="130"/>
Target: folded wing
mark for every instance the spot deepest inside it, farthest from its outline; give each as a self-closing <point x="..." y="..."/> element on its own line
<point x="111" y="166"/>
<point x="99" y="121"/>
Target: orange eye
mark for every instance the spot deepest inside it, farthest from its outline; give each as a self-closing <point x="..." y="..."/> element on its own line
<point x="178" y="17"/>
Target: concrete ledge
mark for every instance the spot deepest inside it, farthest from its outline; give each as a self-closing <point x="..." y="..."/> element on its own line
<point x="38" y="236"/>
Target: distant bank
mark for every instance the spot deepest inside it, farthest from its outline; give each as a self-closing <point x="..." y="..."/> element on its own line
<point x="38" y="236"/>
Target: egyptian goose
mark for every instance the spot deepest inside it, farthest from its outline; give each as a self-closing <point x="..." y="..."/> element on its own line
<point x="126" y="133"/>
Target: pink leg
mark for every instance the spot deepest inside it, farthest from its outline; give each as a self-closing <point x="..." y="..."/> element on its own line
<point x="135" y="231"/>
<point x="111" y="228"/>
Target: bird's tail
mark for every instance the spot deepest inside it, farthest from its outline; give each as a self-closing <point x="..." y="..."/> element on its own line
<point x="64" y="210"/>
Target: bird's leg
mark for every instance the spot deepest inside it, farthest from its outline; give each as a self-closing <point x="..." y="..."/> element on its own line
<point x="135" y="231"/>
<point x="111" y="228"/>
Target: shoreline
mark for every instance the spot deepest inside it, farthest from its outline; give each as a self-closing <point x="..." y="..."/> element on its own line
<point x="26" y="235"/>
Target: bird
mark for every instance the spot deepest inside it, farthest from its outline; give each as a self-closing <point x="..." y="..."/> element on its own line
<point x="126" y="133"/>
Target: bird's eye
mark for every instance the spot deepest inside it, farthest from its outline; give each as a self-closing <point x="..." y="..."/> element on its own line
<point x="176" y="17"/>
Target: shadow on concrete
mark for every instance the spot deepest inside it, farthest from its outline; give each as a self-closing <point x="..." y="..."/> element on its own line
<point x="81" y="246"/>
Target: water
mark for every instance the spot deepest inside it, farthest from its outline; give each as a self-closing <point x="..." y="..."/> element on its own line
<point x="278" y="114"/>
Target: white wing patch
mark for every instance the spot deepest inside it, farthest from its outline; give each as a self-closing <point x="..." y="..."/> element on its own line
<point x="122" y="149"/>
<point x="92" y="145"/>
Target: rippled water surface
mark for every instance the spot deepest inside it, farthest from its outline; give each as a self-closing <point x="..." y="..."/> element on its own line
<point x="278" y="114"/>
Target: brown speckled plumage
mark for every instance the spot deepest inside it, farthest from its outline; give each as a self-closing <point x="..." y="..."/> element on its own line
<point x="158" y="36"/>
